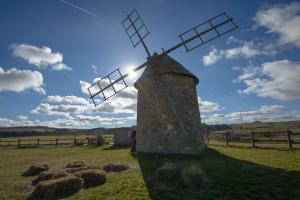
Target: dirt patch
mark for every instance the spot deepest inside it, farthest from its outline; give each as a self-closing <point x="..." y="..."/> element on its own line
<point x="113" y="167"/>
<point x="56" y="188"/>
<point x="92" y="177"/>
<point x="34" y="170"/>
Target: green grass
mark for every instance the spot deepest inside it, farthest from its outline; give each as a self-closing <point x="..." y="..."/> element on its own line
<point x="233" y="173"/>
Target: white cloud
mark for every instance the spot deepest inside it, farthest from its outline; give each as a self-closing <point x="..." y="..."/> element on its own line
<point x="84" y="87"/>
<point x="245" y="50"/>
<point x="264" y="113"/>
<point x="41" y="57"/>
<point x="277" y="79"/>
<point x="66" y="99"/>
<point x="57" y="123"/>
<point x="208" y="106"/>
<point x="59" y="110"/>
<point x="60" y="66"/>
<point x="20" y="80"/>
<point x="283" y="20"/>
<point x="248" y="73"/>
<point x="22" y="118"/>
<point x="213" y="57"/>
<point x="95" y="69"/>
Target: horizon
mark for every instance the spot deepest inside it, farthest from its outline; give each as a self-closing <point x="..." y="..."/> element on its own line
<point x="53" y="50"/>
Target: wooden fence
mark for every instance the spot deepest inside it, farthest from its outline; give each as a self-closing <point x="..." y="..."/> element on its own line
<point x="254" y="138"/>
<point x="36" y="143"/>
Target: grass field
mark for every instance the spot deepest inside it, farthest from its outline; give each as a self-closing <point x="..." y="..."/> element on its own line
<point x="233" y="173"/>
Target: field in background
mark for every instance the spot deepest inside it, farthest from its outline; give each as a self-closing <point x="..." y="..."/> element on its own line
<point x="233" y="173"/>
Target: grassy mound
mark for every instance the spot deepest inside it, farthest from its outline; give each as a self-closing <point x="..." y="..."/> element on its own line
<point x="49" y="175"/>
<point x="34" y="170"/>
<point x="92" y="177"/>
<point x="168" y="172"/>
<point x="56" y="188"/>
<point x="193" y="177"/>
<point x="112" y="167"/>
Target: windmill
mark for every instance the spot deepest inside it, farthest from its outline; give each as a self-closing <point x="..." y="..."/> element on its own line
<point x="168" y="116"/>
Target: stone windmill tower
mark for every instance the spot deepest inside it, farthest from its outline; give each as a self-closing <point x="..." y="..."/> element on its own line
<point x="168" y="117"/>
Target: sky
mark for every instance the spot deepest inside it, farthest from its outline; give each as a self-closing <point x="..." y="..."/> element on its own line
<point x="52" y="50"/>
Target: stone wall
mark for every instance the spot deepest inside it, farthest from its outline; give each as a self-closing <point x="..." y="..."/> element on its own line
<point x="158" y="129"/>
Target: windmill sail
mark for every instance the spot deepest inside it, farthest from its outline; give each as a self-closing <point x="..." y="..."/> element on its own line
<point x="136" y="30"/>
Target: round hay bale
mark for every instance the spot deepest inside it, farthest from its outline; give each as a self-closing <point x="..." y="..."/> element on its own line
<point x="56" y="188"/>
<point x="75" y="164"/>
<point x="92" y="177"/>
<point x="85" y="167"/>
<point x="112" y="167"/>
<point x="168" y="172"/>
<point x="35" y="170"/>
<point x="193" y="177"/>
<point x="49" y="175"/>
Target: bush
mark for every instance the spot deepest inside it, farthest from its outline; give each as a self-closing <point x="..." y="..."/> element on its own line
<point x="49" y="175"/>
<point x="92" y="177"/>
<point x="34" y="170"/>
<point x="115" y="167"/>
<point x="52" y="189"/>
<point x="168" y="172"/>
<point x="193" y="177"/>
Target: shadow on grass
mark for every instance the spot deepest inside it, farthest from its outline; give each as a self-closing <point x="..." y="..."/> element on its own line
<point x="228" y="178"/>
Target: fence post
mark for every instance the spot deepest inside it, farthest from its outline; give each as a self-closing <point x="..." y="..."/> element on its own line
<point x="19" y="141"/>
<point x="38" y="142"/>
<point x="56" y="142"/>
<point x="290" y="141"/>
<point x="207" y="136"/>
<point x="226" y="137"/>
<point x="253" y="139"/>
<point x="74" y="143"/>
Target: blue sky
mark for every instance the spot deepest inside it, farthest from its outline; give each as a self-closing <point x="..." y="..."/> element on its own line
<point x="50" y="51"/>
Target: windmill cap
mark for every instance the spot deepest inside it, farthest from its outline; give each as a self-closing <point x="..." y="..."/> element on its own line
<point x="166" y="65"/>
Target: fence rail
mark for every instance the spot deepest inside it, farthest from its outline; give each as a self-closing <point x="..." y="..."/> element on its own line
<point x="254" y="138"/>
<point x="36" y="143"/>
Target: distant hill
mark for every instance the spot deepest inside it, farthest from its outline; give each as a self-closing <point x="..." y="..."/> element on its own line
<point x="44" y="131"/>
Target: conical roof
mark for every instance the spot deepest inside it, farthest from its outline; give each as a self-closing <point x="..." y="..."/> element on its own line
<point x="166" y="65"/>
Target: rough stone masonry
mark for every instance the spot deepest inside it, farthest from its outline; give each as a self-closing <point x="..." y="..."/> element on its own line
<point x="168" y="116"/>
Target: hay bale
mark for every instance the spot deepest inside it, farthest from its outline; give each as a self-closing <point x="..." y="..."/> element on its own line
<point x="85" y="167"/>
<point x="35" y="170"/>
<point x="92" y="177"/>
<point x="75" y="164"/>
<point x="49" y="175"/>
<point x="168" y="172"/>
<point x="52" y="189"/>
<point x="193" y="177"/>
<point x="113" y="167"/>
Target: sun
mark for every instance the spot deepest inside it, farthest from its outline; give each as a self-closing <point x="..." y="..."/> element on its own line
<point x="131" y="73"/>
